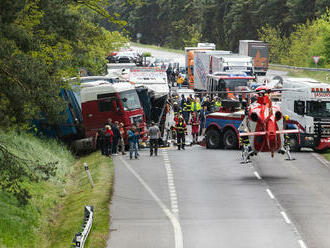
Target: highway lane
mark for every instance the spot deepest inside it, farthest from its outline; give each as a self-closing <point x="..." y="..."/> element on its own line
<point x="220" y="202"/>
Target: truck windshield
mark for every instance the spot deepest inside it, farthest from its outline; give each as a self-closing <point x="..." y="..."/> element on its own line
<point x="318" y="109"/>
<point x="130" y="100"/>
<point x="232" y="84"/>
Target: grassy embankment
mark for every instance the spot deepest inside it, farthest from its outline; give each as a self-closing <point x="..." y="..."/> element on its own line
<point x="56" y="209"/>
<point x="166" y="49"/>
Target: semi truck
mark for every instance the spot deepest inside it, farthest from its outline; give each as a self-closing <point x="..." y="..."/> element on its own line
<point x="189" y="59"/>
<point x="89" y="105"/>
<point x="308" y="107"/>
<point x="233" y="62"/>
<point x="259" y="51"/>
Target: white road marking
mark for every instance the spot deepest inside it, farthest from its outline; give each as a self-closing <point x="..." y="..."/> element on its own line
<point x="178" y="237"/>
<point x="257" y="175"/>
<point x="270" y="194"/>
<point x="302" y="243"/>
<point x="285" y="217"/>
<point x="321" y="159"/>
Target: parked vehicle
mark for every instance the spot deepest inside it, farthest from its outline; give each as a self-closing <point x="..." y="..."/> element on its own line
<point x="232" y="62"/>
<point x="259" y="51"/>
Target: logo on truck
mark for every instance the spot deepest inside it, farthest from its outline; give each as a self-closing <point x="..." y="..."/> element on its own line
<point x="201" y="71"/>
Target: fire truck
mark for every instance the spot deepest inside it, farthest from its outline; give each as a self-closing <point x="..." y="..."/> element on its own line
<point x="308" y="106"/>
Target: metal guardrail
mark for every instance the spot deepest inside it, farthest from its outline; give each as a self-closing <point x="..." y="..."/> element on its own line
<point x="300" y="68"/>
<point x="80" y="237"/>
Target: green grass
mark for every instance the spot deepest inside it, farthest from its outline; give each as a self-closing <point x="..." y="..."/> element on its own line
<point x="318" y="75"/>
<point x="158" y="48"/>
<point x="80" y="193"/>
<point x="55" y="211"/>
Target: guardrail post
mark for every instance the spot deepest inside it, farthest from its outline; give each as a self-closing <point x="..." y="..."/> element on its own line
<point x="89" y="175"/>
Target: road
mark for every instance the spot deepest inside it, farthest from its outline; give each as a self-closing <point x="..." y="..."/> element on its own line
<point x="207" y="198"/>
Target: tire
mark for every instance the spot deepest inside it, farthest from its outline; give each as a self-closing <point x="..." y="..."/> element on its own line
<point x="294" y="144"/>
<point x="213" y="139"/>
<point x="230" y="140"/>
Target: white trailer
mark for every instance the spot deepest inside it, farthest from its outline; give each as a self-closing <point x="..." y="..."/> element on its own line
<point x="233" y="62"/>
<point x="203" y="66"/>
<point x="308" y="106"/>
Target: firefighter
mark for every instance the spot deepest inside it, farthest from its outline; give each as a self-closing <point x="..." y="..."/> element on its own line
<point x="195" y="106"/>
<point x="181" y="131"/>
<point x="194" y="122"/>
<point x="176" y="108"/>
<point x="246" y="148"/>
<point x="186" y="109"/>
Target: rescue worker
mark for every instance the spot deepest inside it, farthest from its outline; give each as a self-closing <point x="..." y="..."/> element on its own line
<point x="176" y="109"/>
<point x="194" y="122"/>
<point x="195" y="106"/>
<point x="218" y="104"/>
<point x="181" y="130"/>
<point x="179" y="81"/>
<point x="187" y="109"/>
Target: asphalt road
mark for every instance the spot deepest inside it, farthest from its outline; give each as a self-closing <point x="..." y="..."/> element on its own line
<point x="207" y="198"/>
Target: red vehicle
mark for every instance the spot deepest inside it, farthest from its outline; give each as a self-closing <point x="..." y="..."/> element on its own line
<point x="118" y="101"/>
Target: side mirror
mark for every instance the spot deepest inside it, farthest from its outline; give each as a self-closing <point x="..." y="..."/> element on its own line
<point x="124" y="99"/>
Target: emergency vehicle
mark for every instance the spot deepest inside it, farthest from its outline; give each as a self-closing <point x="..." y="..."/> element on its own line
<point x="309" y="110"/>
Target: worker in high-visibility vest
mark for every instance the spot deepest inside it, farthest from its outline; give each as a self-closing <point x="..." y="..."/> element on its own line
<point x="195" y="106"/>
<point x="181" y="131"/>
<point x="186" y="109"/>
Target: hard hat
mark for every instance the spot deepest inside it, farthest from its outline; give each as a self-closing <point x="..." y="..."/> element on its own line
<point x="286" y="117"/>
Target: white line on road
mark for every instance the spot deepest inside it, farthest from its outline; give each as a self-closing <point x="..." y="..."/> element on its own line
<point x="302" y="244"/>
<point x="270" y="194"/>
<point x="257" y="175"/>
<point x="322" y="160"/>
<point x="178" y="237"/>
<point x="285" y="217"/>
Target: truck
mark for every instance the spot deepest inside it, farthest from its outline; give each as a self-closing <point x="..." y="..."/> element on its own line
<point x="89" y="105"/>
<point x="259" y="51"/>
<point x="189" y="59"/>
<point x="233" y="62"/>
<point x="308" y="107"/>
<point x="203" y="61"/>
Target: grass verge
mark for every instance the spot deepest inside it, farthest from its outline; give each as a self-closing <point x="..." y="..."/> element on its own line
<point x="79" y="193"/>
<point x="157" y="48"/>
<point x="55" y="211"/>
<point x="318" y="75"/>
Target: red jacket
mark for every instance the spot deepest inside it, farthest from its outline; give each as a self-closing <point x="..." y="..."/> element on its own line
<point x="108" y="135"/>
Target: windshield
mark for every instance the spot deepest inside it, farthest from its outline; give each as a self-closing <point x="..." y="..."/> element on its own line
<point x="130" y="100"/>
<point x="318" y="109"/>
<point x="232" y="84"/>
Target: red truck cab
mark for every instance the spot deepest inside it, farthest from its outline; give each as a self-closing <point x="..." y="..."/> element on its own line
<point x="118" y="101"/>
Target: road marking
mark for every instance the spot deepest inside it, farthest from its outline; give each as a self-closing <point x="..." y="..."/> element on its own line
<point x="257" y="175"/>
<point x="286" y="218"/>
<point x="322" y="160"/>
<point x="178" y="237"/>
<point x="270" y="194"/>
<point x="302" y="243"/>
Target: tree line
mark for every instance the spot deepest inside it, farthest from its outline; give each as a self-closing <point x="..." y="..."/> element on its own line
<point x="180" y="23"/>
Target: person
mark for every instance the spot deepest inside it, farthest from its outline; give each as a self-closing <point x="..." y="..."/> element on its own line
<point x="108" y="138"/>
<point x="116" y="137"/>
<point x="194" y="122"/>
<point x="100" y="138"/>
<point x="202" y="118"/>
<point x="195" y="105"/>
<point x="182" y="101"/>
<point x="133" y="140"/>
<point x="121" y="139"/>
<point x="169" y="74"/>
<point x="179" y="81"/>
<point x="181" y="130"/>
<point x="207" y="104"/>
<point x="218" y="104"/>
<point x="176" y="108"/>
<point x="154" y="135"/>
<point x="187" y="109"/>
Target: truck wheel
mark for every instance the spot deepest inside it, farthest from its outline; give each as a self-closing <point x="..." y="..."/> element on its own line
<point x="294" y="144"/>
<point x="230" y="139"/>
<point x="212" y="139"/>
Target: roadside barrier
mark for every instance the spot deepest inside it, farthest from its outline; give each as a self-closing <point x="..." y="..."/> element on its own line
<point x="300" y="68"/>
<point x="80" y="237"/>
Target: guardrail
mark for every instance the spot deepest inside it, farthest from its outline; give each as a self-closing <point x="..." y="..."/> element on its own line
<point x="80" y="237"/>
<point x="300" y="68"/>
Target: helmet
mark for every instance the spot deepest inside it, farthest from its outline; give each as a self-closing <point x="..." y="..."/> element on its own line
<point x="286" y="117"/>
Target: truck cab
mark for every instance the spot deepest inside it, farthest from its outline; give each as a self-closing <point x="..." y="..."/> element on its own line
<point x="308" y="106"/>
<point x="118" y="101"/>
<point x="234" y="62"/>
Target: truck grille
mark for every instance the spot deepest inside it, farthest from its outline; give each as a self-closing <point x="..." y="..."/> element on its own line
<point x="322" y="128"/>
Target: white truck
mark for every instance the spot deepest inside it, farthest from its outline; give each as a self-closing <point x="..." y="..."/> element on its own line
<point x="203" y="61"/>
<point x="308" y="106"/>
<point x="233" y="62"/>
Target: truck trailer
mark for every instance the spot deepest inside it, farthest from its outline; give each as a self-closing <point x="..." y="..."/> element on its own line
<point x="259" y="51"/>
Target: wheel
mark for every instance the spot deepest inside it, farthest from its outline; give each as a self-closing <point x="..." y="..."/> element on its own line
<point x="230" y="140"/>
<point x="212" y="139"/>
<point x="294" y="144"/>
